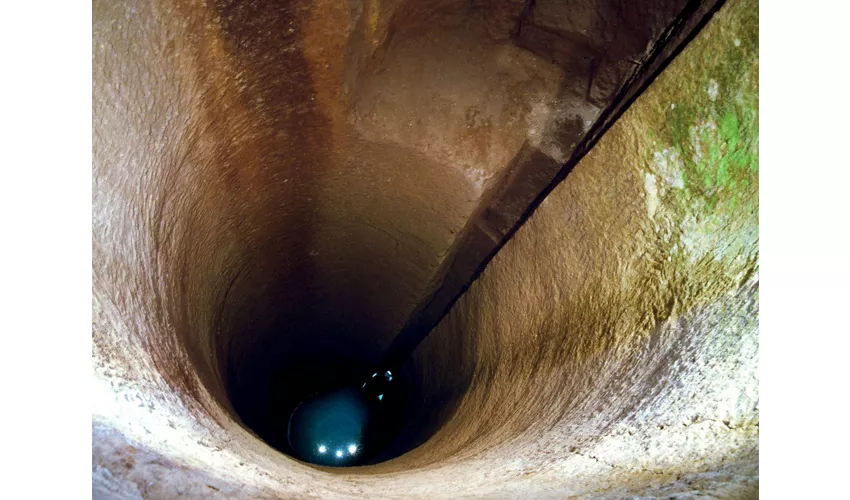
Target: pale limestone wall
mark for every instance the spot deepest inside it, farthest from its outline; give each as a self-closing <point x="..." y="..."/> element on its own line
<point x="615" y="338"/>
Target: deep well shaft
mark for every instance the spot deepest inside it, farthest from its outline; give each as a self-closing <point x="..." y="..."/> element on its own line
<point x="278" y="186"/>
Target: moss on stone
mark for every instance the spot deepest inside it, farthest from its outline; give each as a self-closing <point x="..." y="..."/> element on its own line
<point x="697" y="130"/>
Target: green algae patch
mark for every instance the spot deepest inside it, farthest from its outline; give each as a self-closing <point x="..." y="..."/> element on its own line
<point x="697" y="133"/>
<point x="690" y="143"/>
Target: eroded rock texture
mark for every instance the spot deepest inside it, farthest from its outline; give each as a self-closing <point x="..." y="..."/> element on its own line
<point x="278" y="185"/>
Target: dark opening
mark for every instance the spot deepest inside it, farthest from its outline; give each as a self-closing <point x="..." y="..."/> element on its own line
<point x="272" y="386"/>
